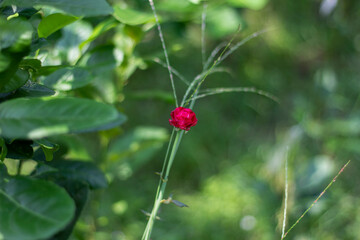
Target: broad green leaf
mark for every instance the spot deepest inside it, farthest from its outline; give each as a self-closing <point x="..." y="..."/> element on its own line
<point x="31" y="89"/>
<point x="100" y="29"/>
<point x="54" y="22"/>
<point x="17" y="81"/>
<point x="69" y="78"/>
<point x="47" y="70"/>
<point x="77" y="8"/>
<point x="81" y="171"/>
<point x="79" y="192"/>
<point x="76" y="187"/>
<point x="33" y="209"/>
<point x="42" y="117"/>
<point x="15" y="39"/>
<point x="30" y="64"/>
<point x="67" y="48"/>
<point x="132" y="17"/>
<point x="15" y="34"/>
<point x="177" y="6"/>
<point x="251" y="4"/>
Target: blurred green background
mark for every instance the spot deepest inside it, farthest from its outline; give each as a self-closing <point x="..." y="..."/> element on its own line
<point x="230" y="167"/>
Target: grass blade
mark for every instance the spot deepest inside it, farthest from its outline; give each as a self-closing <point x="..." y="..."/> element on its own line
<point x="286" y="193"/>
<point x="152" y="5"/>
<point x="203" y="26"/>
<point x="213" y="91"/>
<point x="321" y="194"/>
<point x="173" y="70"/>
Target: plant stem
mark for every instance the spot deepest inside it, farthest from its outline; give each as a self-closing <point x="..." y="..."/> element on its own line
<point x="19" y="167"/>
<point x="162" y="184"/>
<point x="152" y="5"/>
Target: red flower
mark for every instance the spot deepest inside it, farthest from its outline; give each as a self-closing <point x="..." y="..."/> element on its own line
<point x="183" y="118"/>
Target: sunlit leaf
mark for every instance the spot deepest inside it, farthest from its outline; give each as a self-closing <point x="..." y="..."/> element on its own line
<point x="100" y="29"/>
<point x="77" y="8"/>
<point x="251" y="4"/>
<point x="41" y="117"/>
<point x="15" y="33"/>
<point x="15" y="38"/>
<point x="54" y="22"/>
<point x="132" y="17"/>
<point x="68" y="78"/>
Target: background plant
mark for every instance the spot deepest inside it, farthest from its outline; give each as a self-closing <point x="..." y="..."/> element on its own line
<point x="309" y="63"/>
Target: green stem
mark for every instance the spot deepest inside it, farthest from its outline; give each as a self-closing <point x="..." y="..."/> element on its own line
<point x="162" y="185"/>
<point x="19" y="167"/>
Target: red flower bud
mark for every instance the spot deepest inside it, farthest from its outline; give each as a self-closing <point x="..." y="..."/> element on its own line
<point x="183" y="118"/>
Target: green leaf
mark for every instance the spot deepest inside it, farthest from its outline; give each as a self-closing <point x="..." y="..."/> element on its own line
<point x="30" y="64"/>
<point x="132" y="17"/>
<point x="4" y="176"/>
<point x="15" y="39"/>
<point x="33" y="209"/>
<point x="98" y="30"/>
<point x="17" y="81"/>
<point x="79" y="192"/>
<point x="54" y="22"/>
<point x="80" y="171"/>
<point x="31" y="89"/>
<point x="42" y="117"/>
<point x="77" y="8"/>
<point x="251" y="4"/>
<point x="15" y="33"/>
<point x="68" y="78"/>
<point x="48" y="148"/>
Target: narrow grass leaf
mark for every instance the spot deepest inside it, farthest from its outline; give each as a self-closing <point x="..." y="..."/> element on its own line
<point x="213" y="91"/>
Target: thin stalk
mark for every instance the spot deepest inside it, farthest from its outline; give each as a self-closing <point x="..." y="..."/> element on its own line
<point x="208" y="71"/>
<point x="163" y="168"/>
<point x="321" y="194"/>
<point x="162" y="186"/>
<point x="152" y="5"/>
<point x="203" y="26"/>
<point x="213" y="91"/>
<point x="19" y="167"/>
<point x="286" y="193"/>
<point x="174" y="71"/>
